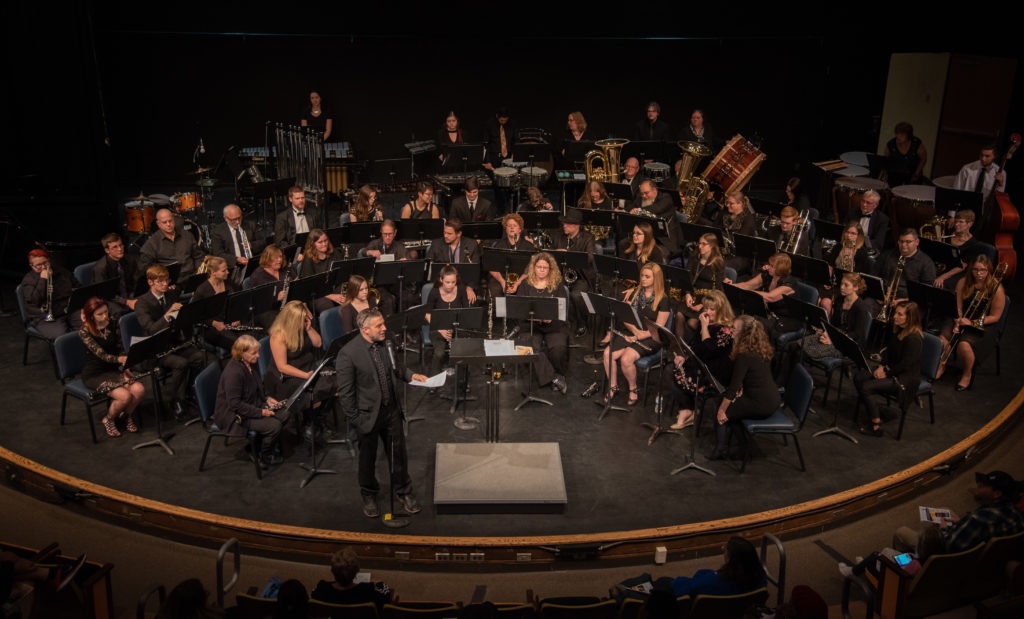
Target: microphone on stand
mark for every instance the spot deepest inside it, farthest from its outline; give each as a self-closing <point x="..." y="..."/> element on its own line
<point x="391" y="355"/>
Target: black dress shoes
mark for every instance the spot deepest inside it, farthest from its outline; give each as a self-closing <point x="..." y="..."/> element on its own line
<point x="558" y="384"/>
<point x="370" y="506"/>
<point x="409" y="503"/>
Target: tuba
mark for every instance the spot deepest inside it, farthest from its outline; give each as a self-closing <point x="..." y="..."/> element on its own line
<point x="610" y="152"/>
<point x="692" y="189"/>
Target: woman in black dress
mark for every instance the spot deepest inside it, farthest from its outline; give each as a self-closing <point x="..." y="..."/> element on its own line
<point x="774" y="282"/>
<point x="448" y="136"/>
<point x="241" y="404"/>
<point x="317" y="257"/>
<point x="219" y="281"/>
<point x="544" y="279"/>
<point x="293" y="342"/>
<point x="713" y="348"/>
<point x="365" y="207"/>
<point x="641" y="246"/>
<point x="272" y="270"/>
<point x="317" y="116"/>
<point x="907" y="155"/>
<point x="450" y="293"/>
<point x="651" y="303"/>
<point x="974" y="346"/>
<point x="104" y="360"/>
<point x="751" y="393"/>
<point x="736" y="218"/>
<point x="849" y="254"/>
<point x="707" y="272"/>
<point x="357" y="298"/>
<point x="900" y="371"/>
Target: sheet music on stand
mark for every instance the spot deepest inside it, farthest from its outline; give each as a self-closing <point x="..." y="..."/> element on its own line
<point x="500" y="307"/>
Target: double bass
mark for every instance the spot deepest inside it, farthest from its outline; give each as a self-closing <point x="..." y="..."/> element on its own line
<point x="1005" y="218"/>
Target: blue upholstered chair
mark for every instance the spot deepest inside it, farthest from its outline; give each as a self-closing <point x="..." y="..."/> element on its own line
<point x="83" y="273"/>
<point x="206" y="396"/>
<point x="69" y="353"/>
<point x="30" y="331"/>
<point x="797" y="401"/>
<point x="330" y="326"/>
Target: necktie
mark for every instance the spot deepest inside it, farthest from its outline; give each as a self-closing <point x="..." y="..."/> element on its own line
<point x="504" y="142"/>
<point x="163" y="305"/>
<point x="452" y="255"/>
<point x="979" y="185"/>
<point x="382" y="373"/>
<point x="122" y="286"/>
<point x="472" y="205"/>
<point x="243" y="243"/>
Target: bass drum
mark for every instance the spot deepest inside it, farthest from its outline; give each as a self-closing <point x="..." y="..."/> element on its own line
<point x="847" y="192"/>
<point x="912" y="206"/>
<point x="138" y="218"/>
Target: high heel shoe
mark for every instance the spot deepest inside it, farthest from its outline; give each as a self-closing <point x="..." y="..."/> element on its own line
<point x="130" y="424"/>
<point x="108" y="425"/>
<point x="634" y="397"/>
<point x="608" y="397"/>
<point x="969" y="384"/>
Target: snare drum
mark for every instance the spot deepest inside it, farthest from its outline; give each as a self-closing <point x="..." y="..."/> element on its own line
<point x="505" y="177"/>
<point x="912" y="206"/>
<point x="138" y="217"/>
<point x="187" y="201"/>
<point x="848" y="191"/>
<point x="655" y="171"/>
<point x="534" y="176"/>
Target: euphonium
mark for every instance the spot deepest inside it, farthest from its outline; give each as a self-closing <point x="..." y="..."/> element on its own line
<point x="609" y="153"/>
<point x="511" y="280"/>
<point x="935" y="228"/>
<point x="891" y="292"/>
<point x="692" y="189"/>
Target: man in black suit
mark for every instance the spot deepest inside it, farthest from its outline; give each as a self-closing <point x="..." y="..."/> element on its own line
<point x="654" y="201"/>
<point x="873" y="222"/>
<point x="453" y="249"/>
<point x="470" y="207"/>
<point x="499" y="135"/>
<point x="117" y="265"/>
<point x="156" y="311"/>
<point x="294" y="220"/>
<point x="235" y="240"/>
<point x="653" y="128"/>
<point x="387" y="245"/>
<point x="366" y="381"/>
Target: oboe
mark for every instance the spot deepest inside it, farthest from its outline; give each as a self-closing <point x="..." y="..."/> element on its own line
<point x="625" y="335"/>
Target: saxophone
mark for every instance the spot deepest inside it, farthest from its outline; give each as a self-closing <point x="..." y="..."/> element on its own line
<point x="885" y="314"/>
<point x="49" y="295"/>
<point x="287" y="283"/>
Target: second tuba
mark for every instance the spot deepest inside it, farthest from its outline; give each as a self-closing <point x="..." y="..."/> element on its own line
<point x="693" y="190"/>
<point x="609" y="151"/>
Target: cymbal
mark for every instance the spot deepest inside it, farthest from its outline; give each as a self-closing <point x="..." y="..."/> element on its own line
<point x="141" y="196"/>
<point x="206" y="182"/>
<point x="199" y="171"/>
<point x="134" y="203"/>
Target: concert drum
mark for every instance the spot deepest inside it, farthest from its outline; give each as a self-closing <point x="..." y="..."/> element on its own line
<point x="655" y="171"/>
<point x="855" y="170"/>
<point x="847" y="192"/>
<point x="505" y="177"/>
<point x="912" y="206"/>
<point x="187" y="201"/>
<point x="509" y="163"/>
<point x="534" y="176"/>
<point x="138" y="217"/>
<point x="945" y="182"/>
<point x="733" y="166"/>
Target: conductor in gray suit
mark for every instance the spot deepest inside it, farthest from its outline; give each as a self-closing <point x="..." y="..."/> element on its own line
<point x="366" y="390"/>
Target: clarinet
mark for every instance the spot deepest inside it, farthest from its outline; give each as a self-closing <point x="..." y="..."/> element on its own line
<point x="136" y="377"/>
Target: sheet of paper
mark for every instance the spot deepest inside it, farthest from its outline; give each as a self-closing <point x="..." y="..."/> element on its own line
<point x="432" y="382"/>
<point x="499" y="348"/>
<point x="386" y="258"/>
<point x="934" y="514"/>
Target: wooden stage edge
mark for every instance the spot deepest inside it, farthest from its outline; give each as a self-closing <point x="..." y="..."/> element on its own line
<point x="303" y="543"/>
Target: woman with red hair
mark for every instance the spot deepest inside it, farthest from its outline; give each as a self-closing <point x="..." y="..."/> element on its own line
<point x="104" y="366"/>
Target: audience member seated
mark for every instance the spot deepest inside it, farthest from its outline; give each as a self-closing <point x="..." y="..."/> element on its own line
<point x="343" y="589"/>
<point x="188" y="599"/>
<point x="292" y="601"/>
<point x="741" y="572"/>
<point x="930" y="542"/>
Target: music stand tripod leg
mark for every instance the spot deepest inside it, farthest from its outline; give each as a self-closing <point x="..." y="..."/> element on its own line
<point x="657" y="429"/>
<point x="608" y="406"/>
<point x="161" y="439"/>
<point x="691" y="462"/>
<point x="312" y="468"/>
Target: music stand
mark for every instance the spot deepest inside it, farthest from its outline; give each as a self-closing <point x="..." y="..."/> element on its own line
<point x="153" y="348"/>
<point x="533" y="309"/>
<point x="828" y="230"/>
<point x="106" y="290"/>
<point x="770" y="208"/>
<point x="404" y="321"/>
<point x="400" y="273"/>
<point x="307" y="385"/>
<point x="245" y="304"/>
<point x="455" y="319"/>
<point x="576" y="152"/>
<point x="482" y="230"/>
<point x="677" y="346"/>
<point x="950" y="201"/>
<point x="541" y="220"/>
<point x="678" y="277"/>
<point x="192" y="282"/>
<point x="465" y="157"/>
<point x="810" y="270"/>
<point x="745" y="301"/>
<point x="307" y="289"/>
<point x="577" y="260"/>
<point x="758" y="250"/>
<point x="693" y="231"/>
<point x="619" y="191"/>
<point x="624" y="223"/>
<point x="616" y="311"/>
<point x="618" y="268"/>
<point x="932" y="300"/>
<point x="420" y="230"/>
<point x="941" y="253"/>
<point x="849" y="349"/>
<point x="469" y="272"/>
<point x="199" y="311"/>
<point x="531" y="152"/>
<point x="362" y="232"/>
<point x="597" y="217"/>
<point x="644" y="150"/>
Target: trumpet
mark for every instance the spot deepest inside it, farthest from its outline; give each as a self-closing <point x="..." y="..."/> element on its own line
<point x="49" y="294"/>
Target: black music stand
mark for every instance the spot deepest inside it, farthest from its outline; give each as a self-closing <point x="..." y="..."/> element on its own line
<point x="758" y="250"/>
<point x="693" y="231"/>
<point x="576" y="152"/>
<point x="462" y="158"/>
<point x="941" y="253"/>
<point x="624" y="223"/>
<point x="579" y="261"/>
<point x="307" y="385"/>
<point x="676" y="346"/>
<point x="245" y="304"/>
<point x="829" y="230"/>
<point x="482" y="230"/>
<point x="455" y="319"/>
<point x="678" y="277"/>
<point x="658" y="334"/>
<point x="745" y="301"/>
<point x="950" y="201"/>
<point x="404" y="321"/>
<point x="420" y="230"/>
<point x="532" y="309"/>
<point x="597" y="217"/>
<point x="768" y="208"/>
<point x="472" y="350"/>
<point x="362" y="232"/>
<point x="192" y="282"/>
<point x="531" y="152"/>
<point x="934" y="302"/>
<point x="644" y="149"/>
<point x="541" y="220"/>
<point x="469" y="272"/>
<point x="142" y="351"/>
<point x="106" y="290"/>
<point x="849" y="349"/>
<point x="619" y="313"/>
<point x="400" y="273"/>
<point x="810" y="270"/>
<point x="355" y="266"/>
<point x="618" y="268"/>
<point x="199" y="311"/>
<point x="308" y="289"/>
<point x="619" y="191"/>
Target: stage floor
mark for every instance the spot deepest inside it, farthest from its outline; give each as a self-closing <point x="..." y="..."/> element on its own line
<point x="614" y="480"/>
